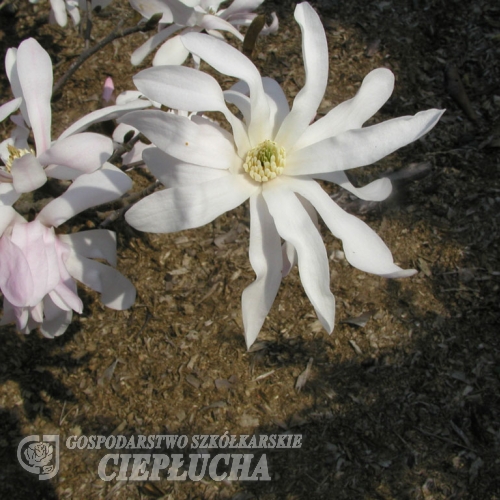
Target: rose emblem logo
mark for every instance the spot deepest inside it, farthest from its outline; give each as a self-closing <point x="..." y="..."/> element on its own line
<point x="40" y="456"/>
<point x="39" y="453"/>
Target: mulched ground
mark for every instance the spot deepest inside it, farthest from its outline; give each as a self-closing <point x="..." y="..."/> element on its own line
<point x="400" y="404"/>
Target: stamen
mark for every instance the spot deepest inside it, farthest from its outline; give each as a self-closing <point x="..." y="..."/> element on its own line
<point x="265" y="162"/>
<point x="14" y="154"/>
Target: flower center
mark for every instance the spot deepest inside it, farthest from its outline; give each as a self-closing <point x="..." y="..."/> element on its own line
<point x="265" y="162"/>
<point x="14" y="154"/>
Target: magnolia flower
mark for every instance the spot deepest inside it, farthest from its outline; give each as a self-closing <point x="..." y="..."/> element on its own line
<point x="38" y="267"/>
<point x="29" y="70"/>
<point x="192" y="16"/>
<point x="59" y="9"/>
<point x="272" y="158"/>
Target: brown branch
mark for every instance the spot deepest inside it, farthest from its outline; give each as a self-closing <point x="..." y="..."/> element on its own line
<point x="117" y="33"/>
<point x="129" y="200"/>
<point x="124" y="148"/>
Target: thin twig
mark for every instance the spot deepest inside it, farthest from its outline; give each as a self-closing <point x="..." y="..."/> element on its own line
<point x="134" y="164"/>
<point x="125" y="148"/>
<point x="117" y="33"/>
<point x="88" y="28"/>
<point x="129" y="200"/>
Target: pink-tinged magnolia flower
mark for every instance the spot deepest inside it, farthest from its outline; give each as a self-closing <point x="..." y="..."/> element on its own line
<point x="38" y="267"/>
<point x="29" y="70"/>
<point x="273" y="157"/>
<point x="192" y="16"/>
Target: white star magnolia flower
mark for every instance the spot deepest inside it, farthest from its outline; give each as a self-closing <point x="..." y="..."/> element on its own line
<point x="272" y="158"/>
<point x="59" y="9"/>
<point x="38" y="267"/>
<point x="29" y="70"/>
<point x="192" y="16"/>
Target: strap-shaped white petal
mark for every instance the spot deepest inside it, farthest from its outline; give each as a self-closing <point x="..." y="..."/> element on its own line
<point x="364" y="249"/>
<point x="184" y="139"/>
<point x="189" y="206"/>
<point x="266" y="261"/>
<point x="361" y="147"/>
<point x="307" y="101"/>
<point x="172" y="52"/>
<point x="374" y="92"/>
<point x="151" y="43"/>
<point x="295" y="226"/>
<point x="172" y="172"/>
<point x="210" y="22"/>
<point x="230" y="61"/>
<point x="377" y="190"/>
<point x="107" y="113"/>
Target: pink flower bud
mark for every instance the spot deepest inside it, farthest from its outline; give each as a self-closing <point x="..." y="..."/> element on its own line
<point x="109" y="87"/>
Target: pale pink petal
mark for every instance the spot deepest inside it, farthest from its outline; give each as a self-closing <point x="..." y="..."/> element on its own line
<point x="9" y="216"/>
<point x="56" y="320"/>
<point x="94" y="244"/>
<point x="86" y="191"/>
<point x="84" y="152"/>
<point x="34" y="68"/>
<point x="117" y="292"/>
<point x="16" y="280"/>
<point x="27" y="174"/>
<point x="8" y="195"/>
<point x="38" y="245"/>
<point x="9" y="108"/>
<point x="15" y="314"/>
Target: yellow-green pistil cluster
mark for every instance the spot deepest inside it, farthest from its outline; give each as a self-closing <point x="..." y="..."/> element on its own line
<point x="14" y="154"/>
<point x="265" y="162"/>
